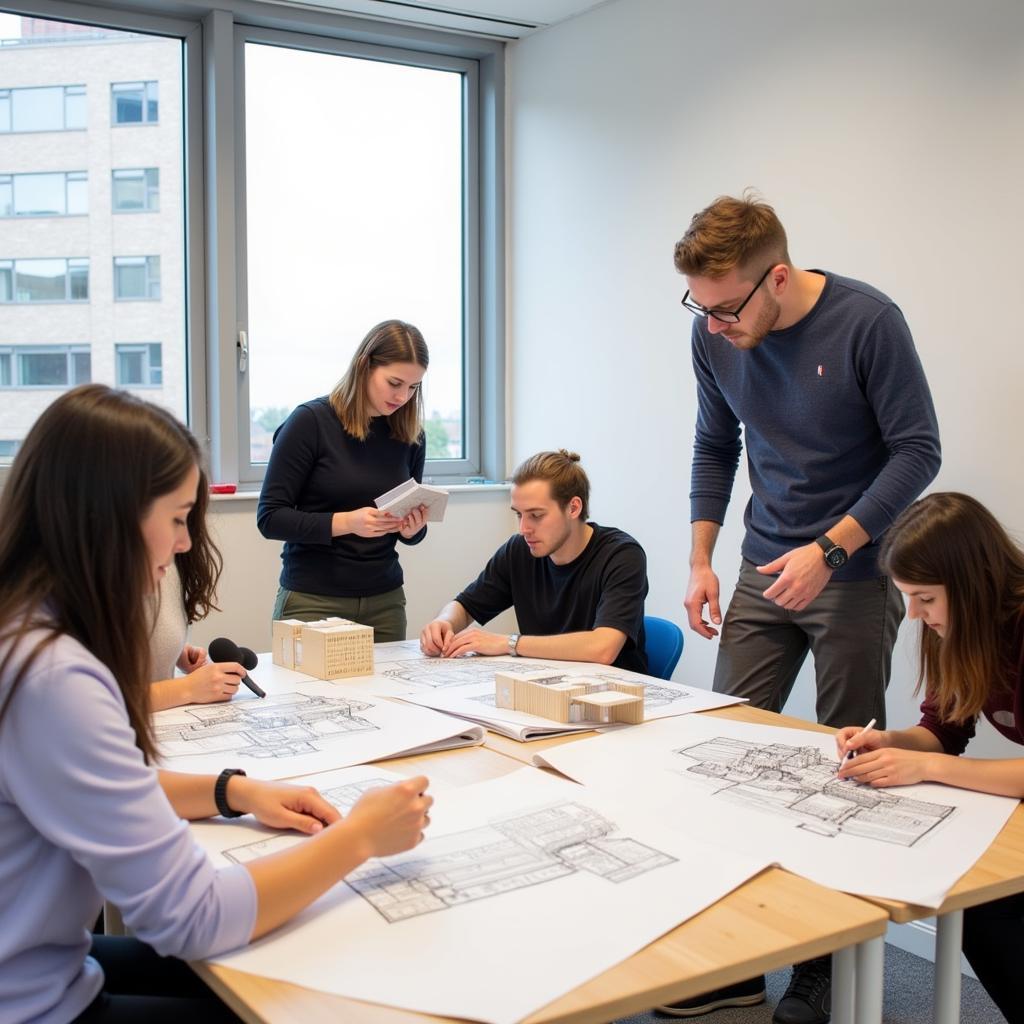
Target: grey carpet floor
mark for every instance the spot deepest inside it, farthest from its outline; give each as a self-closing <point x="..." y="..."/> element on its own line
<point x="908" y="998"/>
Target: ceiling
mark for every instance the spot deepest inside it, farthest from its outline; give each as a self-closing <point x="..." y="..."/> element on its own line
<point x="506" y="19"/>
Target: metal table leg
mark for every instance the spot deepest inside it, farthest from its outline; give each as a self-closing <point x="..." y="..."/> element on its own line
<point x="844" y="985"/>
<point x="948" y="937"/>
<point x="870" y="980"/>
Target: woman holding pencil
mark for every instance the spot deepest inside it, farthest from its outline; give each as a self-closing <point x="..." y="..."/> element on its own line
<point x="964" y="579"/>
<point x="85" y="816"/>
<point x="331" y="458"/>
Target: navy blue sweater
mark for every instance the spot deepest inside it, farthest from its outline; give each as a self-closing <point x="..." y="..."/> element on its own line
<point x="317" y="468"/>
<point x="838" y="420"/>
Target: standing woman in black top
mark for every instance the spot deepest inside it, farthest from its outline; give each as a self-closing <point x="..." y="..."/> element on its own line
<point x="331" y="458"/>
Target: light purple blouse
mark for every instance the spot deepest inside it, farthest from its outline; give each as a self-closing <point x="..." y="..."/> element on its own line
<point x="83" y="819"/>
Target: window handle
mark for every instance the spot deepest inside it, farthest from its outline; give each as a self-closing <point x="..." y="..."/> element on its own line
<point x="243" y="351"/>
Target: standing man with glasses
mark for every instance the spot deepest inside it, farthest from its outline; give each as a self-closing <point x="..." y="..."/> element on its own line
<point x="821" y="373"/>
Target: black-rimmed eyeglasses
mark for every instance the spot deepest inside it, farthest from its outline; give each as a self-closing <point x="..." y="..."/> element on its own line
<point x="724" y="316"/>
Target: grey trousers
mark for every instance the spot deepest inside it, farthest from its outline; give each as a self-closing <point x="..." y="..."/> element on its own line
<point x="384" y="612"/>
<point x="850" y="628"/>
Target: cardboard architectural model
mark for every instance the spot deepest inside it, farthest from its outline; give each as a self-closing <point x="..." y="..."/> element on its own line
<point x="328" y="648"/>
<point x="570" y="699"/>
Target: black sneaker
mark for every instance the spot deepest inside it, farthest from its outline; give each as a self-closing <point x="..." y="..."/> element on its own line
<point x="808" y="1000"/>
<point x="746" y="993"/>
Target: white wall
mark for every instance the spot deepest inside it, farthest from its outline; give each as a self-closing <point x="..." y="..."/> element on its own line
<point x="476" y="523"/>
<point x="888" y="138"/>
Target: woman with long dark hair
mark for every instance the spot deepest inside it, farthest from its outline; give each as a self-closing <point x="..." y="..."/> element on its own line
<point x="187" y="594"/>
<point x="331" y="458"/>
<point x="93" y="514"/>
<point x="963" y="577"/>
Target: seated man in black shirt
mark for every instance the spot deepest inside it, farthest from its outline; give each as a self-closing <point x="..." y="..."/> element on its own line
<point x="578" y="589"/>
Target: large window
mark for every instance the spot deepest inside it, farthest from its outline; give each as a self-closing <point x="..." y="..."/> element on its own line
<point x="133" y="191"/>
<point x="134" y="103"/>
<point x="140" y="366"/>
<point x="53" y="108"/>
<point x="87" y="294"/>
<point x="136" y="277"/>
<point x="42" y="195"/>
<point x="299" y="185"/>
<point x="45" y="366"/>
<point x="44" y="280"/>
<point x="373" y="225"/>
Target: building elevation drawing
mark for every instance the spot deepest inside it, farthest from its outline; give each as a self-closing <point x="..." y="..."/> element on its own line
<point x="281" y="725"/>
<point x="799" y="783"/>
<point x="440" y="673"/>
<point x="525" y="850"/>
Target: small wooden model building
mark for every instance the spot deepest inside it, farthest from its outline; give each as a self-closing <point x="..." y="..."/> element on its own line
<point x="328" y="649"/>
<point x="570" y="699"/>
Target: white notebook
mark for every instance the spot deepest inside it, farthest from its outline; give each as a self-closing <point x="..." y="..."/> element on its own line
<point x="401" y="500"/>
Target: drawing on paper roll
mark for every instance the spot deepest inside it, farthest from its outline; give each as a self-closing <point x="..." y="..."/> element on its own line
<point x="525" y="850"/>
<point x="440" y="673"/>
<point x="800" y="784"/>
<point x="343" y="797"/>
<point x="281" y="725"/>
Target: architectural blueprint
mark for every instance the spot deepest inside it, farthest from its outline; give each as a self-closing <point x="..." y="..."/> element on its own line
<point x="473" y="697"/>
<point x="742" y="785"/>
<point x="278" y="726"/>
<point x="513" y="853"/>
<point x="343" y="796"/>
<point x="800" y="784"/>
<point x="442" y="673"/>
<point x="525" y="887"/>
<point x="301" y="726"/>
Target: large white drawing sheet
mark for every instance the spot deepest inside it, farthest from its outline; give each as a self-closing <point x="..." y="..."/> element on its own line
<point x="303" y="725"/>
<point x="465" y="686"/>
<point x="774" y="791"/>
<point x="526" y="887"/>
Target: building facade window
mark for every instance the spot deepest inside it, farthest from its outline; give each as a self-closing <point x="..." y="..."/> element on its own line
<point x="136" y="277"/>
<point x="8" y="449"/>
<point x="45" y="366"/>
<point x="140" y="366"/>
<point x="44" y="195"/>
<point x="51" y="108"/>
<point x="136" y="189"/>
<point x="134" y="103"/>
<point x="44" y="280"/>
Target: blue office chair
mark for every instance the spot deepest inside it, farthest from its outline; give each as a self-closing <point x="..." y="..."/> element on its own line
<point x="664" y="646"/>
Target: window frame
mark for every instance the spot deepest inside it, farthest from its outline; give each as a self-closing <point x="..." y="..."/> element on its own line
<point x="10" y="264"/>
<point x="150" y="191"/>
<point x="7" y="93"/>
<point x="68" y="176"/>
<point x="252" y="473"/>
<point x="144" y="87"/>
<point x="152" y="280"/>
<point x="211" y="115"/>
<point x="15" y="353"/>
<point x="146" y="350"/>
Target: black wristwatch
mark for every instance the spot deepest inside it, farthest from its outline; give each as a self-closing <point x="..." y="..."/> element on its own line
<point x="835" y="556"/>
<point x="220" y="793"/>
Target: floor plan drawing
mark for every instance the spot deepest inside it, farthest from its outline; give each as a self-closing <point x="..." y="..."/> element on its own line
<point x="343" y="797"/>
<point x="520" y="851"/>
<point x="440" y="673"/>
<point x="280" y="725"/>
<point x="800" y="784"/>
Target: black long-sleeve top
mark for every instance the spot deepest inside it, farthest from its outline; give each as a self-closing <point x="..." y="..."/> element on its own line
<point x="317" y="468"/>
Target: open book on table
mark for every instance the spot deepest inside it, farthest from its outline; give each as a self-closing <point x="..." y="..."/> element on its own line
<point x="401" y="500"/>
